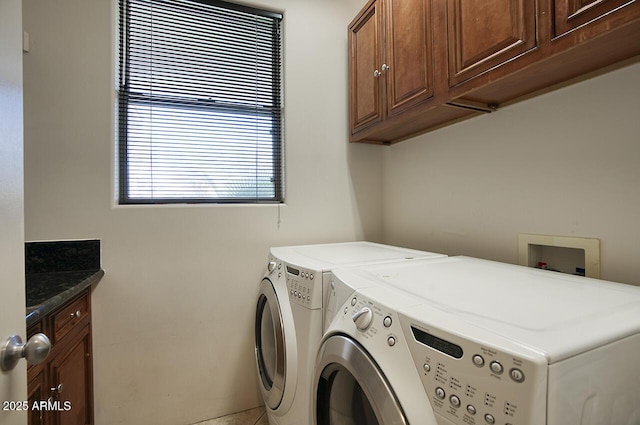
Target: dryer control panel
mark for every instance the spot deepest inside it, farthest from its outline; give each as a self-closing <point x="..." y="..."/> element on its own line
<point x="470" y="383"/>
<point x="304" y="286"/>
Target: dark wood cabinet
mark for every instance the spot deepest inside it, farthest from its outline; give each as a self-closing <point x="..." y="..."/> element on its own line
<point x="37" y="392"/>
<point x="484" y="34"/>
<point x="409" y="61"/>
<point x="63" y="384"/>
<point x="365" y="51"/>
<point x="571" y="14"/>
<point x="70" y="375"/>
<point x="391" y="66"/>
<point x="419" y="65"/>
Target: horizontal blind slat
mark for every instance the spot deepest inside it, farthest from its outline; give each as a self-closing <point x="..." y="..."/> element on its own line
<point x="200" y="116"/>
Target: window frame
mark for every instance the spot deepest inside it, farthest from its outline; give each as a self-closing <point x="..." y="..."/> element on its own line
<point x="125" y="98"/>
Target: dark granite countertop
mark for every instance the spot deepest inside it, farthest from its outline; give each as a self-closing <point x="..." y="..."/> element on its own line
<point x="57" y="271"/>
<point x="48" y="291"/>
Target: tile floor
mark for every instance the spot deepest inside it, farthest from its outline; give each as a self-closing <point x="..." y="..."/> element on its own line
<point x="255" y="416"/>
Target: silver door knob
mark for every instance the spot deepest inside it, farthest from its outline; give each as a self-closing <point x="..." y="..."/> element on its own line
<point x="385" y="67"/>
<point x="377" y="73"/>
<point x="35" y="351"/>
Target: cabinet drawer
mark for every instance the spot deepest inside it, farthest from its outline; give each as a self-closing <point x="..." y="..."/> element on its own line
<point x="66" y="319"/>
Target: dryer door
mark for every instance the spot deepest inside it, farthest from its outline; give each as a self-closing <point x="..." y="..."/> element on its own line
<point x="351" y="389"/>
<point x="273" y="345"/>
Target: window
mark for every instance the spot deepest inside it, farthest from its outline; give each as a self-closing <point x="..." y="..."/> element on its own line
<point x="200" y="103"/>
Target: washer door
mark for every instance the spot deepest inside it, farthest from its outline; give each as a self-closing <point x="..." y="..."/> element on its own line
<point x="351" y="389"/>
<point x="273" y="346"/>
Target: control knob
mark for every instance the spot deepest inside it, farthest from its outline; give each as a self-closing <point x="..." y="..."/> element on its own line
<point x="271" y="266"/>
<point x="363" y="318"/>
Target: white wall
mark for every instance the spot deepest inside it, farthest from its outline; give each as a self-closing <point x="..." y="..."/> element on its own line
<point x="173" y="317"/>
<point x="564" y="163"/>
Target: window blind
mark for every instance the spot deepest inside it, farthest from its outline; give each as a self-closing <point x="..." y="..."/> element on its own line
<point x="200" y="103"/>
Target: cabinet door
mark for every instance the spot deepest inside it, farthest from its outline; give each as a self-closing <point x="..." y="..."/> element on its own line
<point x="570" y="14"/>
<point x="365" y="38"/>
<point x="409" y="55"/>
<point x="488" y="33"/>
<point x="70" y="373"/>
<point x="37" y="393"/>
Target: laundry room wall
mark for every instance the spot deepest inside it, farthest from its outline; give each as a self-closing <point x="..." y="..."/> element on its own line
<point x="563" y="163"/>
<point x="173" y="316"/>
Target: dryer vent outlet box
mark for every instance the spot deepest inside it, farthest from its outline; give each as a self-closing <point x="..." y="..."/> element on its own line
<point x="560" y="253"/>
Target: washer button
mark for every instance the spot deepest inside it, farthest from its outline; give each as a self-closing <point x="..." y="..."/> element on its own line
<point x="311" y="276"/>
<point x="471" y="409"/>
<point x="478" y="360"/>
<point x="489" y="418"/>
<point x="454" y="400"/>
<point x="354" y="300"/>
<point x="516" y="375"/>
<point x="426" y="367"/>
<point x="440" y="393"/>
<point x="496" y="367"/>
<point x="387" y="321"/>
<point x="391" y="341"/>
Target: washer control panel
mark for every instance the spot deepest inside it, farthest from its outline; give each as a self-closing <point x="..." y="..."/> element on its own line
<point x="371" y="319"/>
<point x="303" y="285"/>
<point x="476" y="384"/>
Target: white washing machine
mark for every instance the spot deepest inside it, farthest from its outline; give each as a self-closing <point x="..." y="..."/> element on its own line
<point x="501" y="344"/>
<point x="364" y="373"/>
<point x="289" y="318"/>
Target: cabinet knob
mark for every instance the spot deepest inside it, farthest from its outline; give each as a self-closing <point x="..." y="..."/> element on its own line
<point x="77" y="314"/>
<point x="385" y="67"/>
<point x="35" y="351"/>
<point x="57" y="389"/>
<point x="377" y="73"/>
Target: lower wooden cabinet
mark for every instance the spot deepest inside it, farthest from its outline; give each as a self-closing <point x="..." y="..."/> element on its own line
<point x="61" y="389"/>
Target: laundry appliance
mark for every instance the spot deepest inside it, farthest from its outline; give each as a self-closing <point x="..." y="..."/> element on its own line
<point x="501" y="344"/>
<point x="289" y="318"/>
<point x="364" y="373"/>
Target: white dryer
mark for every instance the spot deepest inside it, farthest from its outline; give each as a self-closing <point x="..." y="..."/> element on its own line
<point x="364" y="373"/>
<point x="289" y="318"/>
<point x="501" y="344"/>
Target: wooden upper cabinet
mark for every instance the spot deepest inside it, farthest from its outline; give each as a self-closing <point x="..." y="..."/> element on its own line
<point x="390" y="60"/>
<point x="570" y="14"/>
<point x="365" y="51"/>
<point x="409" y="76"/>
<point x="418" y="65"/>
<point x="485" y="34"/>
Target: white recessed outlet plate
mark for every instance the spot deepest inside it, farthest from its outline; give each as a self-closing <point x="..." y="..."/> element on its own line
<point x="562" y="253"/>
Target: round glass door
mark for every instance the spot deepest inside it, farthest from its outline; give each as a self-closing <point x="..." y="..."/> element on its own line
<point x="269" y="344"/>
<point x="351" y="389"/>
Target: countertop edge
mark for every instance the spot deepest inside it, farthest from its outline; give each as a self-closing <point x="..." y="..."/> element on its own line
<point x="34" y="314"/>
